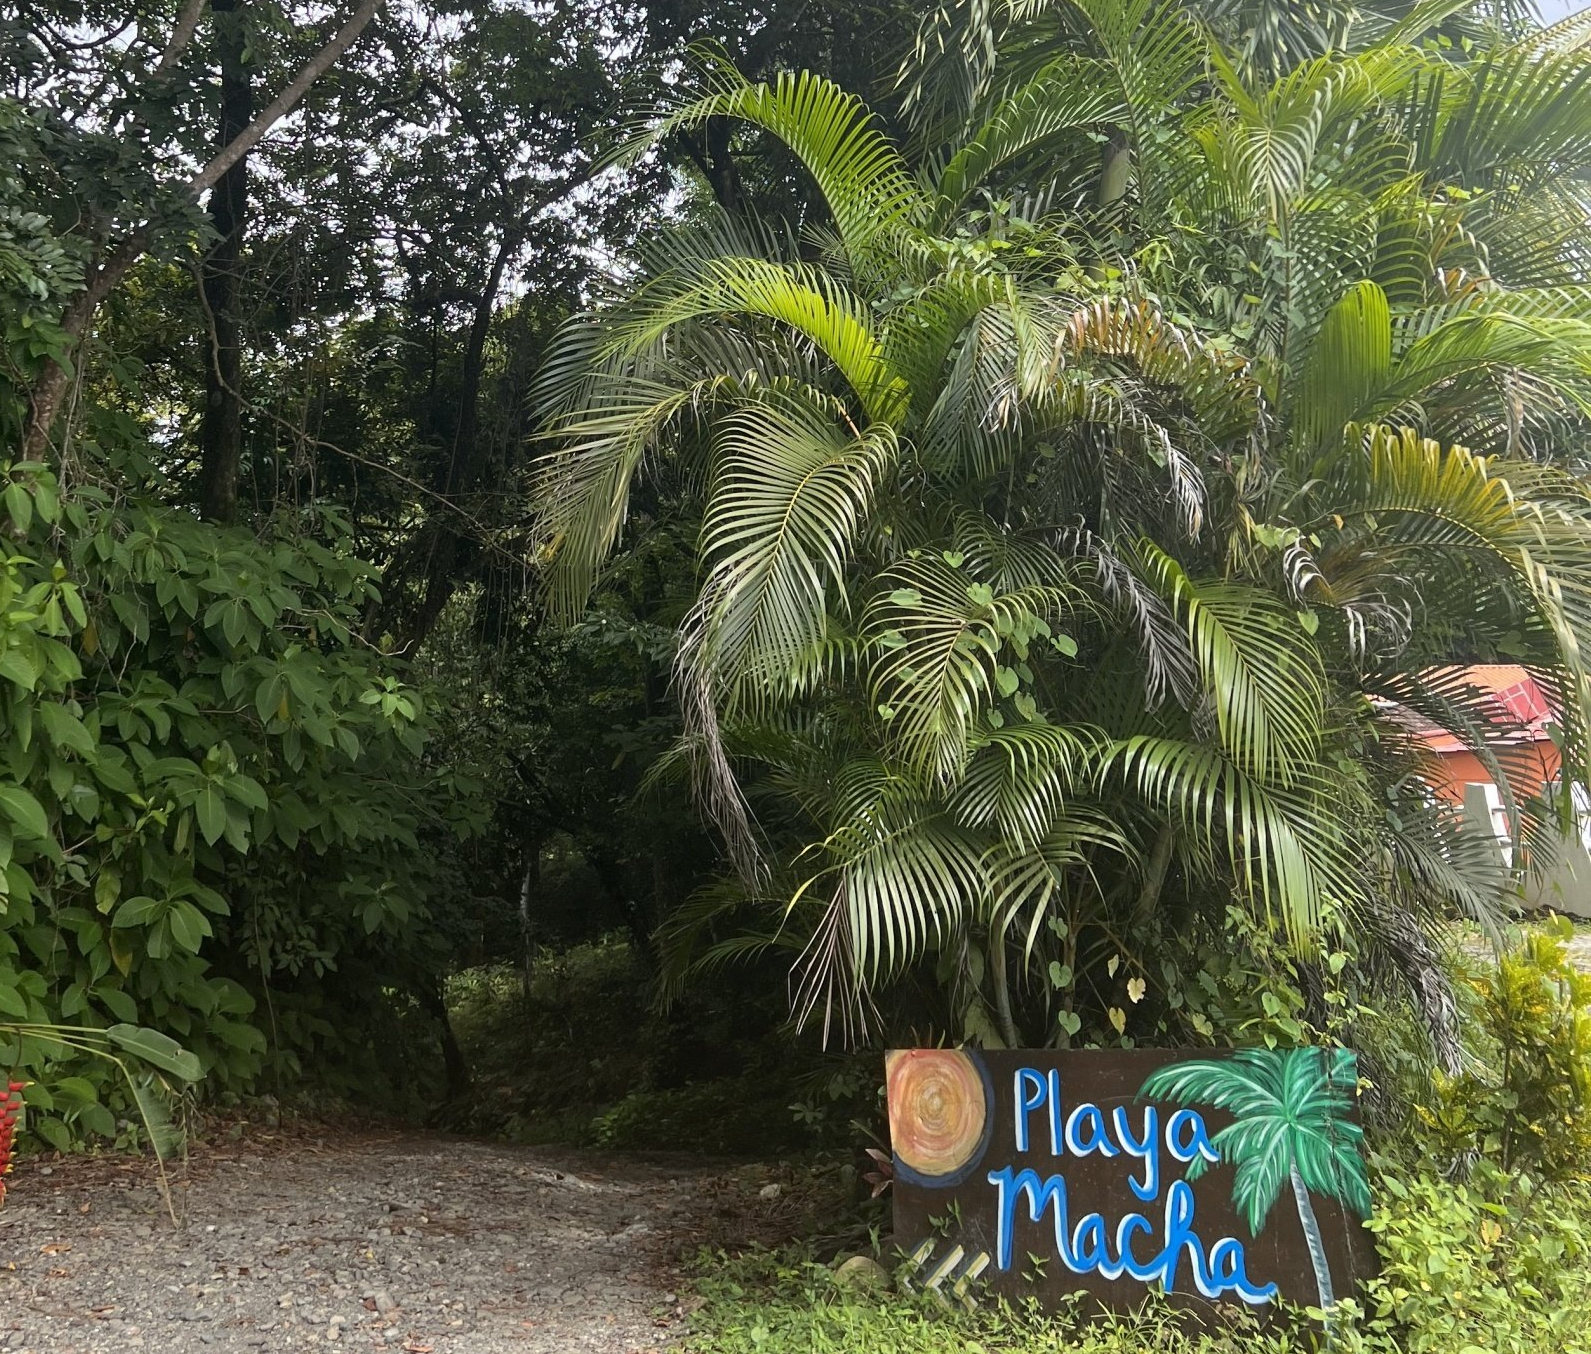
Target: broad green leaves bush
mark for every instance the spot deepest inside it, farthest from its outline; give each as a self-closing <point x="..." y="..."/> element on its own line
<point x="1526" y="1103"/>
<point x="1489" y="1266"/>
<point x="212" y="791"/>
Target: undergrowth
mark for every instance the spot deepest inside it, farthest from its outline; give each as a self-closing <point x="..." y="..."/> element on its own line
<point x="588" y="1060"/>
<point x="1466" y="1269"/>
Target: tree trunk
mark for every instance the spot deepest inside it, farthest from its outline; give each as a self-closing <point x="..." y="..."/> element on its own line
<point x="1116" y="164"/>
<point x="1115" y="169"/>
<point x="1317" y="1248"/>
<point x="1154" y="879"/>
<point x="529" y="886"/>
<point x="49" y="390"/>
<point x="221" y="427"/>
<point x="443" y="540"/>
<point x="722" y="175"/>
<point x="711" y="155"/>
<point x="456" y="1068"/>
<point x="1002" y="991"/>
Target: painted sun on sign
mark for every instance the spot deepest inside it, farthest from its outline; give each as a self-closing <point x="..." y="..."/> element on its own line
<point x="1113" y="1172"/>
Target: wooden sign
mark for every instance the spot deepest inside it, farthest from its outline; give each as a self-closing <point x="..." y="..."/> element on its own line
<point x="1209" y="1176"/>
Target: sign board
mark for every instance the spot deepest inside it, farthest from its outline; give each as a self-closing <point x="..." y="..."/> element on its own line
<point x="1210" y="1176"/>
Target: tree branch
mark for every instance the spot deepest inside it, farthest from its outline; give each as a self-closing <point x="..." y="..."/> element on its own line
<point x="283" y="103"/>
<point x="50" y="387"/>
<point x="181" y="35"/>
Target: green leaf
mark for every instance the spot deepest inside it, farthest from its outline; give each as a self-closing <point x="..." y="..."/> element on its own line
<point x="19" y="503"/>
<point x="24" y="811"/>
<point x="138" y="911"/>
<point x="97" y="1119"/>
<point x="66" y="731"/>
<point x="210" y="807"/>
<point x="18" y="668"/>
<point x="53" y="1131"/>
<point x="107" y="888"/>
<point x="74" y="1091"/>
<point x="117" y="1002"/>
<point x="156" y="1049"/>
<point x="269" y="696"/>
<point x="188" y="925"/>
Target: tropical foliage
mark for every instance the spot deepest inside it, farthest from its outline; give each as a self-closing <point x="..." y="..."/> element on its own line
<point x="1032" y="516"/>
<point x="1092" y="493"/>
<point x="1525" y="1102"/>
<point x="283" y="742"/>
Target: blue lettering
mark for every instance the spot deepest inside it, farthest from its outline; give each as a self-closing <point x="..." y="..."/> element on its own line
<point x="1088" y="1248"/>
<point x="1146" y="1149"/>
<point x="1178" y="1235"/>
<point x="1229" y="1273"/>
<point x="1041" y="1194"/>
<point x="1197" y="1143"/>
<point x="1098" y="1140"/>
<point x="1133" y="1222"/>
<point x="1027" y="1101"/>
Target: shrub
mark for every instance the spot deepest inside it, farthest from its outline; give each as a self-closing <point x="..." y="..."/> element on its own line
<point x="1526" y="1102"/>
<point x="211" y="792"/>
<point x="1495" y="1265"/>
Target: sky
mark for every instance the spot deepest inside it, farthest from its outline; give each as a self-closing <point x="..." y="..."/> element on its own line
<point x="1553" y="10"/>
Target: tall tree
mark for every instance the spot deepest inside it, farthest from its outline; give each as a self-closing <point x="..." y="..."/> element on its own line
<point x="221" y="421"/>
<point x="121" y="226"/>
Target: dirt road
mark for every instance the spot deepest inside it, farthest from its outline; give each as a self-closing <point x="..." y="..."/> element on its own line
<point x="354" y="1241"/>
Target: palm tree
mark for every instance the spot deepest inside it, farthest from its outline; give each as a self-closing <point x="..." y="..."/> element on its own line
<point x="1069" y="523"/>
<point x="1293" y="1125"/>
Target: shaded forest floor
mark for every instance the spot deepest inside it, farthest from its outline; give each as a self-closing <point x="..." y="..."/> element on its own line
<point x="364" y="1240"/>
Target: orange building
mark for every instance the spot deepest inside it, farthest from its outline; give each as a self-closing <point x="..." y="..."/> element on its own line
<point x="1516" y="716"/>
<point x="1520" y="717"/>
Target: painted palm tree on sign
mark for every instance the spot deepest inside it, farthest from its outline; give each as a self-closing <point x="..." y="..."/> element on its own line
<point x="1294" y="1125"/>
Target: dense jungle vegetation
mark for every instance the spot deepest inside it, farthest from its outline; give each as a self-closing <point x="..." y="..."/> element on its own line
<point x="567" y="566"/>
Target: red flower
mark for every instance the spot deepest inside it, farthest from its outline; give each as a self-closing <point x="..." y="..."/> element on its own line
<point x="10" y="1111"/>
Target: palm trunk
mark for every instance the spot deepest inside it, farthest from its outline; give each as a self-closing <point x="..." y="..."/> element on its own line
<point x="1317" y="1249"/>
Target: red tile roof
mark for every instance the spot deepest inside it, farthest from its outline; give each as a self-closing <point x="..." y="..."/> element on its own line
<point x="1518" y="706"/>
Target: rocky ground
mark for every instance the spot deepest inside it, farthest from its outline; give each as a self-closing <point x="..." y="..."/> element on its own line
<point x="357" y="1241"/>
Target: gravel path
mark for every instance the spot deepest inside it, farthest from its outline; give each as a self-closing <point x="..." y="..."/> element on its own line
<point x="372" y="1241"/>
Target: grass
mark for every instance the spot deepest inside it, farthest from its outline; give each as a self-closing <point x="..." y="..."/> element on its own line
<point x="783" y="1304"/>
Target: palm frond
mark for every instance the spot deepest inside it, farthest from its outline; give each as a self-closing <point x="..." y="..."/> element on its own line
<point x="1258" y="668"/>
<point x="939" y="631"/>
<point x="859" y="172"/>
